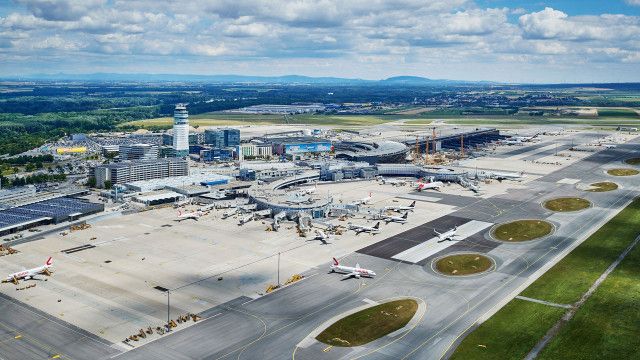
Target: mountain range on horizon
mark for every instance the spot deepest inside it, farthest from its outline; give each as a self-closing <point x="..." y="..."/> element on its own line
<point x="231" y="78"/>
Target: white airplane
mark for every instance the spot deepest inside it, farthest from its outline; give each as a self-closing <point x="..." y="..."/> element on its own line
<point x="399" y="219"/>
<point x="229" y="213"/>
<point x="30" y="273"/>
<point x="207" y="208"/>
<point x="364" y="200"/>
<point x="375" y="229"/>
<point x="447" y="235"/>
<point x="245" y="219"/>
<point x="507" y="176"/>
<point x="194" y="215"/>
<point x="401" y="208"/>
<point x="394" y="182"/>
<point x="308" y="190"/>
<point x="349" y="271"/>
<point x="436" y="185"/>
<point x="322" y="236"/>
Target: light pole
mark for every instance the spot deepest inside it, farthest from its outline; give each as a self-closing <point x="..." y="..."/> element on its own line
<point x="168" y="312"/>
<point x="278" y="269"/>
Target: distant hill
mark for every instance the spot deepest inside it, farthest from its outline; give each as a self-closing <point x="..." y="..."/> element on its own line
<point x="285" y="79"/>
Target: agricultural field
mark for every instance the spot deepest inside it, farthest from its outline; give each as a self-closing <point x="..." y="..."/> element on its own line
<point x="606" y="324"/>
<point x="221" y="119"/>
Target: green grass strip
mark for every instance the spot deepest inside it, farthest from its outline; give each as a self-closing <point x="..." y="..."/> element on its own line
<point x="611" y="313"/>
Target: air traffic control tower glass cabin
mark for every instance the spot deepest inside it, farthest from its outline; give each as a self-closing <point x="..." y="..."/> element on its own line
<point x="181" y="131"/>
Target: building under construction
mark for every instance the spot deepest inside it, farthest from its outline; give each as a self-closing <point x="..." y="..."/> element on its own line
<point x="468" y="141"/>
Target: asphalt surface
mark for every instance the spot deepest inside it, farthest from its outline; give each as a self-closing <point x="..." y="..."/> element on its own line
<point x="274" y="326"/>
<point x="28" y="333"/>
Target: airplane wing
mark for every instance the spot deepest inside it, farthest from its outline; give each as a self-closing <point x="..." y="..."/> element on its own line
<point x="354" y="274"/>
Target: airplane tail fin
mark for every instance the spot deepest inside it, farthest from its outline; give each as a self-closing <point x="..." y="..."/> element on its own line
<point x="413" y="204"/>
<point x="335" y="262"/>
<point x="436" y="231"/>
<point x="405" y="215"/>
<point x="377" y="225"/>
<point x="49" y="261"/>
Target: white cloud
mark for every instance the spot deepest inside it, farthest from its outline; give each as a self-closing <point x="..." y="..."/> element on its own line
<point x="328" y="34"/>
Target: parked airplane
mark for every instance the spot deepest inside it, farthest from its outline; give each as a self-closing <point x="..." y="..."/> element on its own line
<point x="401" y="208"/>
<point x="349" y="271"/>
<point x="194" y="215"/>
<point x="207" y="208"/>
<point x="447" y="235"/>
<point x="322" y="236"/>
<point x="308" y="190"/>
<point x="246" y="219"/>
<point x="229" y="213"/>
<point x="394" y="182"/>
<point x="399" y="219"/>
<point x="507" y="176"/>
<point x="436" y="185"/>
<point x="364" y="200"/>
<point x="375" y="229"/>
<point x="30" y="273"/>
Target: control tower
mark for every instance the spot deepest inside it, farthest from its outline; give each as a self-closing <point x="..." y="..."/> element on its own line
<point x="181" y="131"/>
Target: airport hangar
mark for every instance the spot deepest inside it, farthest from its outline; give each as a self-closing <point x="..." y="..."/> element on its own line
<point x="53" y="209"/>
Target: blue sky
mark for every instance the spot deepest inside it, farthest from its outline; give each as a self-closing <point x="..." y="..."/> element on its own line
<point x="499" y="40"/>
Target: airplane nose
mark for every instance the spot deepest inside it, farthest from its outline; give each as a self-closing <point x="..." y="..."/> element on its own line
<point x="372" y="273"/>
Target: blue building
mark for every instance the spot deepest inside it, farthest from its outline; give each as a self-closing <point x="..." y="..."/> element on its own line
<point x="217" y="154"/>
<point x="231" y="137"/>
<point x="220" y="138"/>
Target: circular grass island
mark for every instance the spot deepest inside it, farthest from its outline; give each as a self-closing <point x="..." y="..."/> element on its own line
<point x="463" y="264"/>
<point x="566" y="204"/>
<point x="369" y="324"/>
<point x="602" y="186"/>
<point x="633" y="161"/>
<point x="522" y="230"/>
<point x="623" y="172"/>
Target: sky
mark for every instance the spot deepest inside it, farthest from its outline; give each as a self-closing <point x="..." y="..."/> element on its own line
<point x="564" y="41"/>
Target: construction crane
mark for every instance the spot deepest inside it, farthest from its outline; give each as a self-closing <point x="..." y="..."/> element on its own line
<point x="433" y="138"/>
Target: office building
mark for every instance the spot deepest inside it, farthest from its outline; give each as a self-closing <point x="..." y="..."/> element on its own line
<point x="124" y="172"/>
<point x="220" y="138"/>
<point x="231" y="137"/>
<point x="138" y="152"/>
<point x="181" y="130"/>
<point x="215" y="138"/>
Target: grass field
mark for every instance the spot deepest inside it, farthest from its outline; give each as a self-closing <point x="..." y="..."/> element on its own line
<point x="221" y="119"/>
<point x="603" y="186"/>
<point x="607" y="325"/>
<point x="567" y="204"/>
<point x="633" y="161"/>
<point x="617" y="113"/>
<point x="510" y="333"/>
<point x="369" y="324"/>
<point x="522" y="230"/>
<point x="623" y="172"/>
<point x="463" y="264"/>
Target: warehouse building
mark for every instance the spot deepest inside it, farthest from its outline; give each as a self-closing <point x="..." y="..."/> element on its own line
<point x="51" y="211"/>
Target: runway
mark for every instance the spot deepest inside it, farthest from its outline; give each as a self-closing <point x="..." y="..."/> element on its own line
<point x="272" y="326"/>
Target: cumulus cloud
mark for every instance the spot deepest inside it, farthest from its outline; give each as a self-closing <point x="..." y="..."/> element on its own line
<point x="391" y="33"/>
<point x="61" y="10"/>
